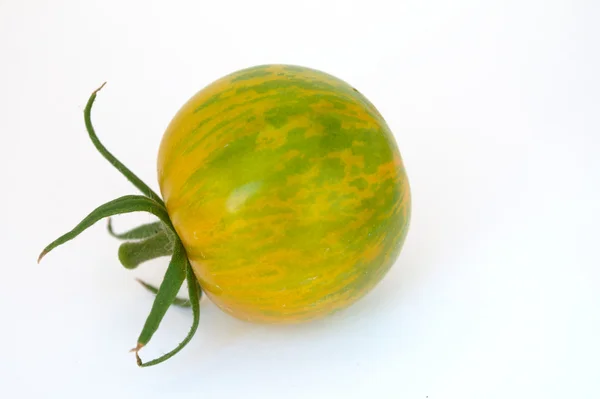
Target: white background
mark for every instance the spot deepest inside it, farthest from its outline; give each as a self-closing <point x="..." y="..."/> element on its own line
<point x="495" y="107"/>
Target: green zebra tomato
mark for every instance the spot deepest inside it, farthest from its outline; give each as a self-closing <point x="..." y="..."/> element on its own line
<point x="284" y="199"/>
<point x="287" y="190"/>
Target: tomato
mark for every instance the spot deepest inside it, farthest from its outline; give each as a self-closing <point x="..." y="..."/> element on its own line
<point x="284" y="199"/>
<point x="287" y="190"/>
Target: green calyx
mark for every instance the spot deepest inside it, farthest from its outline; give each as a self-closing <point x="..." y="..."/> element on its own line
<point x="144" y="243"/>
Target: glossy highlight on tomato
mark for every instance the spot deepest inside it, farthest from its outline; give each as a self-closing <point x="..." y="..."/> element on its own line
<point x="284" y="199"/>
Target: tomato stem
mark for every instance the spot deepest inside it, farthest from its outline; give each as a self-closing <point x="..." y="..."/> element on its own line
<point x="134" y="253"/>
<point x="154" y="239"/>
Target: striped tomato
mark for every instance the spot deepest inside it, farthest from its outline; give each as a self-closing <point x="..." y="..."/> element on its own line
<point x="284" y="198"/>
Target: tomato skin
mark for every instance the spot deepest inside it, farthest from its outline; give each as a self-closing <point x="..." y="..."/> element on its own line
<point x="287" y="190"/>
